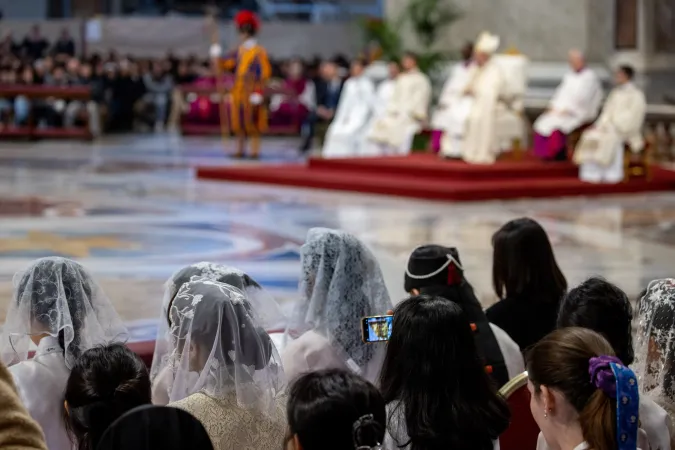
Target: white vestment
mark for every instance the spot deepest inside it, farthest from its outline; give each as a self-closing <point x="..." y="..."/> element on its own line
<point x="385" y="91"/>
<point x="453" y="109"/>
<point x="41" y="383"/>
<point x="346" y="131"/>
<point x="476" y="121"/>
<point x="406" y="112"/>
<point x="575" y="102"/>
<point x="600" y="152"/>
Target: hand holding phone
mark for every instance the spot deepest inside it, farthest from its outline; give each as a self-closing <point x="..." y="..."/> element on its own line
<point x="376" y="328"/>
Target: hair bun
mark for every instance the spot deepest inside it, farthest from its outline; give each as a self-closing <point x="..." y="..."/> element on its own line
<point x="366" y="429"/>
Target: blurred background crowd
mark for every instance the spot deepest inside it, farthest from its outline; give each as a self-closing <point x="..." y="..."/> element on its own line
<point x="128" y="93"/>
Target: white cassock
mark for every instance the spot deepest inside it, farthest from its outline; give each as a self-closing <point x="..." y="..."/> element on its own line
<point x="476" y="121"/>
<point x="346" y="131"/>
<point x="40" y="383"/>
<point x="600" y="152"/>
<point x="383" y="95"/>
<point x="579" y="95"/>
<point x="452" y="105"/>
<point x="406" y="111"/>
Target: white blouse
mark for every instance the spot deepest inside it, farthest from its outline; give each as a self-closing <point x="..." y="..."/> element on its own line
<point x="41" y="383"/>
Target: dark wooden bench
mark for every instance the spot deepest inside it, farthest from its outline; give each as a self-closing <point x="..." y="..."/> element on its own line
<point x="40" y="92"/>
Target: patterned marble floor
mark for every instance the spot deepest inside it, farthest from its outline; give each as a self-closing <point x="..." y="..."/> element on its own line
<point x="131" y="210"/>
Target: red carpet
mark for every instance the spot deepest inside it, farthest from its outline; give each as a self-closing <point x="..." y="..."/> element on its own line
<point x="425" y="176"/>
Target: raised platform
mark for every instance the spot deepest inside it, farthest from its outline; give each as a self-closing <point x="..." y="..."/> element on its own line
<point x="425" y="176"/>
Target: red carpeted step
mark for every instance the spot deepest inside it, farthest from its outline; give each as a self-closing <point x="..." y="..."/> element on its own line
<point x="430" y="166"/>
<point x="416" y="185"/>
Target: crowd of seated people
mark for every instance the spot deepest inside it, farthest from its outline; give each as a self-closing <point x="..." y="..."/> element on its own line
<point x="130" y="93"/>
<point x="220" y="379"/>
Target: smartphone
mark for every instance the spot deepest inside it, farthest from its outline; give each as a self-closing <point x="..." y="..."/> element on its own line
<point x="376" y="328"/>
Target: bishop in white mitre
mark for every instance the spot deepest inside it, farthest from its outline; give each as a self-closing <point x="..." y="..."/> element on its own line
<point x="346" y="131"/>
<point x="474" y="119"/>
<point x="450" y="101"/>
<point x="406" y="112"/>
<point x="383" y="95"/>
<point x="600" y="153"/>
<point x="576" y="102"/>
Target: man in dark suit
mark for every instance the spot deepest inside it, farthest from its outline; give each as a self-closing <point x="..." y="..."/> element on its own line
<point x="328" y="90"/>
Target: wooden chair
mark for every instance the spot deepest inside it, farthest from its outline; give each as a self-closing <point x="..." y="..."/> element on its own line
<point x="421" y="143"/>
<point x="523" y="431"/>
<point x="637" y="165"/>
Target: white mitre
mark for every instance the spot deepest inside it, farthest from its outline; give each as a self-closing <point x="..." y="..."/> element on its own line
<point x="486" y="43"/>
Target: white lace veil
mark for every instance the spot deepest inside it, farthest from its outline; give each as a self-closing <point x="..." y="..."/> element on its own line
<point x="268" y="313"/>
<point x="58" y="297"/>
<point x="341" y="282"/>
<point x="655" y="347"/>
<point x="220" y="350"/>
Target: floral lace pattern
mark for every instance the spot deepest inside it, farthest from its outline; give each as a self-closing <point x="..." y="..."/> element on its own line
<point x="655" y="347"/>
<point x="217" y="348"/>
<point x="265" y="309"/>
<point x="58" y="297"/>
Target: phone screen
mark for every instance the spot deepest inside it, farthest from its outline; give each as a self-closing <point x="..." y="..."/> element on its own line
<point x="376" y="328"/>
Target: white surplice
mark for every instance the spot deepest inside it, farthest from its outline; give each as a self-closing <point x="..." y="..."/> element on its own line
<point x="452" y="105"/>
<point x="576" y="101"/>
<point x="476" y="120"/>
<point x="383" y="95"/>
<point x="406" y="111"/>
<point x="600" y="153"/>
<point x="346" y="131"/>
<point x="41" y="383"/>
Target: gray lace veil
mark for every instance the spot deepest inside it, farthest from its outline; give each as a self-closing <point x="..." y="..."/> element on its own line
<point x="655" y="347"/>
<point x="341" y="282"/>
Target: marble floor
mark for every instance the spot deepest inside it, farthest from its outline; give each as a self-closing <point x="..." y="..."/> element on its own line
<point x="131" y="210"/>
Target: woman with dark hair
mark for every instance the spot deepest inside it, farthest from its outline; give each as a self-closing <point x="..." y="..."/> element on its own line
<point x="267" y="312"/>
<point x="334" y="410"/>
<point x="341" y="282"/>
<point x="105" y="383"/>
<point x="153" y="428"/>
<point x="227" y="372"/>
<point x="582" y="396"/>
<point x="434" y="382"/>
<point x="527" y="279"/>
<point x="59" y="308"/>
<point x="436" y="270"/>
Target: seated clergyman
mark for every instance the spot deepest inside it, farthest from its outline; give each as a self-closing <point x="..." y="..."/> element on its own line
<point x="600" y="153"/>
